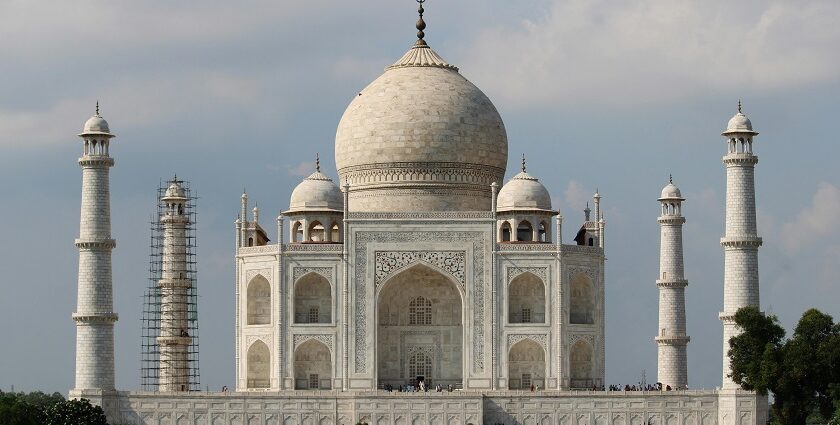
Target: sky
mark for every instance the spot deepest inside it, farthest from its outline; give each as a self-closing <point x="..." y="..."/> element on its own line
<point x="596" y="93"/>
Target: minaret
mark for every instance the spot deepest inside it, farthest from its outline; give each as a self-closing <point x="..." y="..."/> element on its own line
<point x="174" y="339"/>
<point x="94" y="314"/>
<point x="671" y="339"/>
<point x="741" y="241"/>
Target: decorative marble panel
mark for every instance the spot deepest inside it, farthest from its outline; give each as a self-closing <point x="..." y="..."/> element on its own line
<point x="540" y="272"/>
<point x="541" y="339"/>
<point x="250" y="274"/>
<point x="326" y="272"/>
<point x="389" y="263"/>
<point x="327" y="340"/>
<point x="476" y="293"/>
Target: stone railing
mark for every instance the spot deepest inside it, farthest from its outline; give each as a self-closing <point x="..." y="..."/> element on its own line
<point x="313" y="247"/>
<point x="437" y="215"/>
<point x="264" y="249"/>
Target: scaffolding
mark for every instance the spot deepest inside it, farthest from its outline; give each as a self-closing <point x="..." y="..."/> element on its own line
<point x="185" y="305"/>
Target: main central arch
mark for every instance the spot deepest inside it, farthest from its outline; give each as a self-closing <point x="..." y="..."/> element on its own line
<point x="419" y="330"/>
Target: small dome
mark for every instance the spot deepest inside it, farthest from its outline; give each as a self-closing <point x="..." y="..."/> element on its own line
<point x="670" y="191"/>
<point x="174" y="191"/>
<point x="739" y="124"/>
<point x="523" y="192"/>
<point x="316" y="193"/>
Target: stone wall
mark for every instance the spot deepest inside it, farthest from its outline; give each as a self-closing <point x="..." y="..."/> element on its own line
<point x="460" y="407"/>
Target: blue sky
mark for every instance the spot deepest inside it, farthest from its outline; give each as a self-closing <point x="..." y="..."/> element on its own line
<point x="613" y="95"/>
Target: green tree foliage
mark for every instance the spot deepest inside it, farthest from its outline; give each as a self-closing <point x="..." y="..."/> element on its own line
<point x="802" y="373"/>
<point x="75" y="412"/>
<point x="16" y="410"/>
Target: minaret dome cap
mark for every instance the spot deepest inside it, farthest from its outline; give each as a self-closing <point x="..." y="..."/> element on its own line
<point x="96" y="125"/>
<point x="739" y="123"/>
<point x="671" y="192"/>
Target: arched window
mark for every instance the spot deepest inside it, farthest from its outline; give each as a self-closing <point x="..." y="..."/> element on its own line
<point x="542" y="232"/>
<point x="524" y="231"/>
<point x="335" y="233"/>
<point x="526" y="299"/>
<point x="419" y="364"/>
<point x="582" y="309"/>
<point x="581" y="365"/>
<point x="420" y="311"/>
<point x="259" y="301"/>
<point x="250" y="241"/>
<point x="312" y="366"/>
<point x="591" y="242"/>
<point x="313" y="299"/>
<point x="316" y="232"/>
<point x="297" y="232"/>
<point x="526" y="365"/>
<point x="259" y="365"/>
<point x="505" y="232"/>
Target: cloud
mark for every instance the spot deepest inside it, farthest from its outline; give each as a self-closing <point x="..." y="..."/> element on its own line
<point x="575" y="196"/>
<point x="606" y="52"/>
<point x="300" y="170"/>
<point x="817" y="221"/>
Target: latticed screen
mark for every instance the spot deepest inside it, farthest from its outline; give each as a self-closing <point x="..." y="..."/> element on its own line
<point x="420" y="312"/>
<point x="313" y="380"/>
<point x="419" y="365"/>
<point x="526" y="315"/>
<point x="313" y="315"/>
<point x="526" y="380"/>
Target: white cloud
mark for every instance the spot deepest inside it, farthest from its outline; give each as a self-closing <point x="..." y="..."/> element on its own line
<point x="575" y="198"/>
<point x="818" y="221"/>
<point x="606" y="52"/>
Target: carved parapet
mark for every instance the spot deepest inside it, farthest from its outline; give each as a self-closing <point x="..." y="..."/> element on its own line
<point x="96" y="243"/>
<point x="741" y="242"/>
<point x="740" y="159"/>
<point x="96" y="161"/>
<point x="671" y="219"/>
<point x="673" y="340"/>
<point x="671" y="283"/>
<point x="95" y="317"/>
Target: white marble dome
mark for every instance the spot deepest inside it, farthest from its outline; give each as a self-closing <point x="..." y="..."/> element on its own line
<point x="96" y="125"/>
<point x="523" y="192"/>
<point x="421" y="137"/>
<point x="670" y="191"/>
<point x="316" y="193"/>
<point x="174" y="191"/>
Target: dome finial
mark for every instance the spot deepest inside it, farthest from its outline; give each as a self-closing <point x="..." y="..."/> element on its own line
<point x="670" y="178"/>
<point x="97" y="108"/>
<point x="523" y="162"/>
<point x="421" y="25"/>
<point x="739" y="106"/>
<point x="317" y="162"/>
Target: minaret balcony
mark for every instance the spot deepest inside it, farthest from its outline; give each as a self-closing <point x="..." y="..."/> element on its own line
<point x="96" y="161"/>
<point x="96" y="243"/>
<point x="671" y="283"/>
<point x="95" y="317"/>
<point x="741" y="242"/>
<point x="174" y="283"/>
<point x="174" y="340"/>
<point x="740" y="158"/>
<point x="673" y="340"/>
<point x="671" y="219"/>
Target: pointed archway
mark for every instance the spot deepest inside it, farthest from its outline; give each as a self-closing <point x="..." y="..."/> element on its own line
<point x="419" y="329"/>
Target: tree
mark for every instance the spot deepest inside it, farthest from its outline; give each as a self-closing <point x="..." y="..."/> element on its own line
<point x="75" y="412"/>
<point x="802" y="373"/>
<point x="16" y="410"/>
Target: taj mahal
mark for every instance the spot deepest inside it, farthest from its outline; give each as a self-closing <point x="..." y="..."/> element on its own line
<point x="422" y="266"/>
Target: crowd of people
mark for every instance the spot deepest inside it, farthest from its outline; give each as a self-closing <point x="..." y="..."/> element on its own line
<point x="420" y="387"/>
<point x="641" y="387"/>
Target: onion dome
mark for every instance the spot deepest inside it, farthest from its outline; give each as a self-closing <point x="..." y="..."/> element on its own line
<point x="421" y="137"/>
<point x="523" y="192"/>
<point x="96" y="125"/>
<point x="316" y="193"/>
<point x="739" y="123"/>
<point x="671" y="192"/>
